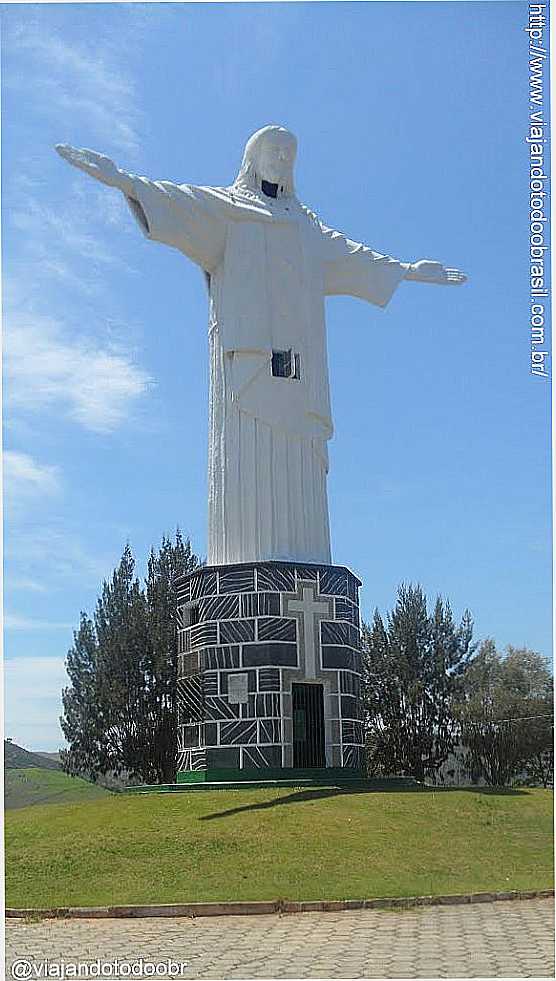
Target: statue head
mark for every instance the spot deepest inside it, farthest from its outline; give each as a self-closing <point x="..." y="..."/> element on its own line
<point x="268" y="161"/>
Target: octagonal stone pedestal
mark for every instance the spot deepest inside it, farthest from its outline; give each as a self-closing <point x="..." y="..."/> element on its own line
<point x="269" y="673"/>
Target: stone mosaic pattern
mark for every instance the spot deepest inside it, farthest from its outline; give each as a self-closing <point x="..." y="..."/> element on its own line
<point x="276" y="623"/>
<point x="486" y="940"/>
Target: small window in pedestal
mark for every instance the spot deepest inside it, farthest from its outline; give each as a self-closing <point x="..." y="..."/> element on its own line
<point x="191" y="614"/>
<point x="286" y="364"/>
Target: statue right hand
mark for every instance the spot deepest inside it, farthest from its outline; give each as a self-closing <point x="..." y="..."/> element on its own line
<point x="95" y="164"/>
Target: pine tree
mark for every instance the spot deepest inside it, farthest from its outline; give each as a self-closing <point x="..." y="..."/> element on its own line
<point x="82" y="720"/>
<point x="172" y="560"/>
<point x="413" y="669"/>
<point x="119" y="710"/>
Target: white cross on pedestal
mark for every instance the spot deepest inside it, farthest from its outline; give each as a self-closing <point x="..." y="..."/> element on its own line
<point x="309" y="608"/>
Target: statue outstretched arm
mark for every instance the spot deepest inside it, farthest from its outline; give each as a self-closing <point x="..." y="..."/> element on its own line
<point x="356" y="270"/>
<point x="177" y="215"/>
<point x="426" y="271"/>
<point x="95" y="164"/>
<point x="353" y="269"/>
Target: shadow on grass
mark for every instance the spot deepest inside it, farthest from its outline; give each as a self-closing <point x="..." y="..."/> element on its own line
<point x="300" y="796"/>
<point x="296" y="798"/>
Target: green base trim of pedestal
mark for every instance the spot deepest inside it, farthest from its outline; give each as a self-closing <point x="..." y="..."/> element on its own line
<point x="259" y="782"/>
<point x="321" y="775"/>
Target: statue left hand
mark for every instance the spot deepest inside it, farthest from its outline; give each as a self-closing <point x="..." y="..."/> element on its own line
<point x="426" y="271"/>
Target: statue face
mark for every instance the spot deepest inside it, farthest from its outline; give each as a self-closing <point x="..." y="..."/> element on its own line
<point x="275" y="158"/>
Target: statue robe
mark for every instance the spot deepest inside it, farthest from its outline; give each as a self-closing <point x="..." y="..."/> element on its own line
<point x="269" y="264"/>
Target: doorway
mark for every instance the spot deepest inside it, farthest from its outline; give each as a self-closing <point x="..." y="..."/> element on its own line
<point x="308" y="726"/>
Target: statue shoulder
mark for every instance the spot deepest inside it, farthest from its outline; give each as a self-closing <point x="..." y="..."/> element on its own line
<point x="211" y="201"/>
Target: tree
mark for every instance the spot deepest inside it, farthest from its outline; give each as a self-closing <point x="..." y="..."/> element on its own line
<point x="172" y="560"/>
<point x="507" y="716"/>
<point x="528" y="673"/>
<point x="412" y="671"/>
<point x="539" y="764"/>
<point x="82" y="719"/>
<point x="119" y="710"/>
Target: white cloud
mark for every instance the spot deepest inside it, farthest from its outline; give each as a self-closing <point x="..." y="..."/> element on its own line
<point x="26" y="482"/>
<point x="60" y="553"/>
<point x="44" y="230"/>
<point x="70" y="364"/>
<point x="46" y="368"/>
<point x="14" y="621"/>
<point x="110" y="204"/>
<point x="28" y="485"/>
<point x="71" y="81"/>
<point x="71" y="241"/>
<point x="32" y="691"/>
<point x="24" y="476"/>
<point x="25" y="585"/>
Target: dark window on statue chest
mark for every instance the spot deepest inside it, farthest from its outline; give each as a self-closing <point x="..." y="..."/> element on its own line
<point x="285" y="364"/>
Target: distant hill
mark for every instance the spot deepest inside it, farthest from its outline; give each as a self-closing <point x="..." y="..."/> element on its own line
<point x="46" y="785"/>
<point x="37" y="778"/>
<point x="16" y="758"/>
<point x="50" y="756"/>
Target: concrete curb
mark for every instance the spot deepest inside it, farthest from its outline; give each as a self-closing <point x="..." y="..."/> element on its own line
<point x="275" y="906"/>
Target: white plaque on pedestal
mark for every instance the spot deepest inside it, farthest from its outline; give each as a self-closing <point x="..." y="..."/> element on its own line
<point x="237" y="689"/>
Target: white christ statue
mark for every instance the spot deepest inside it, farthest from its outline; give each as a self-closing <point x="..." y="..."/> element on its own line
<point x="269" y="263"/>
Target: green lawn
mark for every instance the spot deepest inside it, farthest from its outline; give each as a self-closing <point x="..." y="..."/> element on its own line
<point x="35" y="785"/>
<point x="277" y="844"/>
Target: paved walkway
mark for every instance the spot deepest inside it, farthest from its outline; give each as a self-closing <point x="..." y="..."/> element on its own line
<point x="487" y="940"/>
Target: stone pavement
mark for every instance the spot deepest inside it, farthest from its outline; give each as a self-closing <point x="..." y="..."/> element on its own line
<point x="486" y="940"/>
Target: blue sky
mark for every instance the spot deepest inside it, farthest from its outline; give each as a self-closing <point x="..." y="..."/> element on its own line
<point x="410" y="119"/>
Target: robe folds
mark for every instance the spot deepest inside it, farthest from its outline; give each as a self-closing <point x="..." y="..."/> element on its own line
<point x="269" y="263"/>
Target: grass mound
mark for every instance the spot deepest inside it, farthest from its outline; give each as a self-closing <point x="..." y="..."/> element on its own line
<point x="38" y="785"/>
<point x="278" y="844"/>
